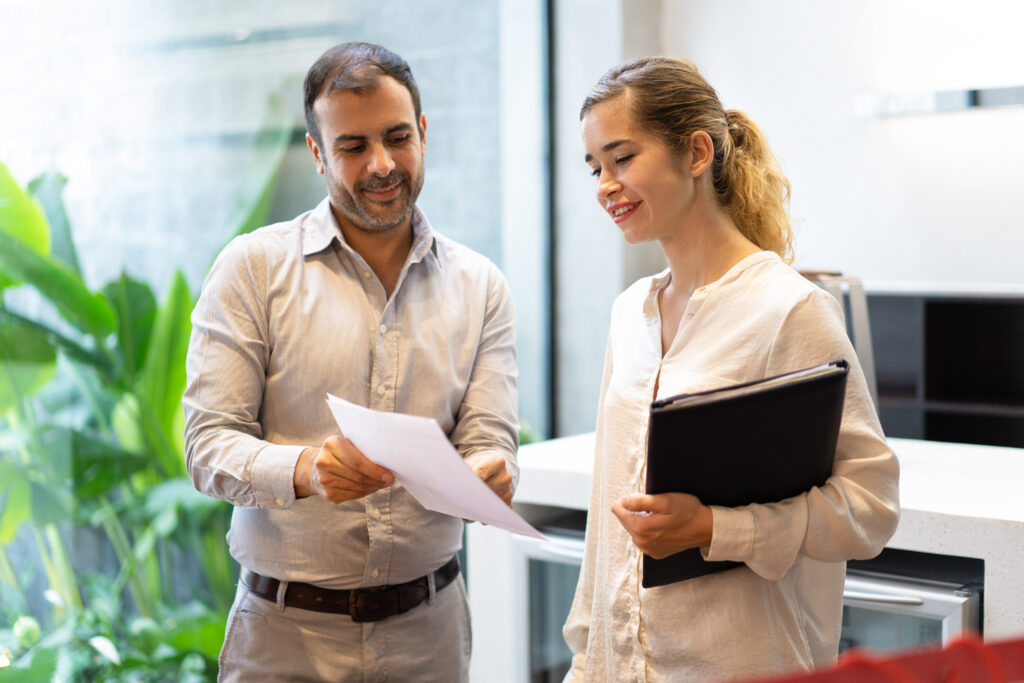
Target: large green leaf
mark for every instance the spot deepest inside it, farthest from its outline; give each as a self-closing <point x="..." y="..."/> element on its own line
<point x="21" y="218"/>
<point x="51" y="503"/>
<point x="180" y="492"/>
<point x="71" y="348"/>
<point x="35" y="491"/>
<point x="15" y="502"/>
<point x="41" y="668"/>
<point x="162" y="381"/>
<point x="27" y="361"/>
<point x="126" y="420"/>
<point x="92" y="467"/>
<point x="197" y="628"/>
<point x="58" y="283"/>
<point x="136" y="310"/>
<point x="48" y="188"/>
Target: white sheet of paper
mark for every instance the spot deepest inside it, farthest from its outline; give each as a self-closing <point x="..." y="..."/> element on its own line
<point x="424" y="461"/>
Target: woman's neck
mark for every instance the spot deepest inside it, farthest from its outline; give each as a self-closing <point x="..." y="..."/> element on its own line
<point x="703" y="251"/>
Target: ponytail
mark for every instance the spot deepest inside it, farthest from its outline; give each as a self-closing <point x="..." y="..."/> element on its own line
<point x="752" y="188"/>
<point x="672" y="100"/>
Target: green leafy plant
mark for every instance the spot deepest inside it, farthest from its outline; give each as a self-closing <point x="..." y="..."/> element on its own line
<point x="91" y="451"/>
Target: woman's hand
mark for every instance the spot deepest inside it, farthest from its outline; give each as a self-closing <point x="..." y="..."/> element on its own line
<point x="666" y="523"/>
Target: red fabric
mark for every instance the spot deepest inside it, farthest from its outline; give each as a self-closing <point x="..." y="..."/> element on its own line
<point x="965" y="660"/>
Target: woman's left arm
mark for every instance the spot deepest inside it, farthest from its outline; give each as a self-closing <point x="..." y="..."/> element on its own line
<point x="856" y="511"/>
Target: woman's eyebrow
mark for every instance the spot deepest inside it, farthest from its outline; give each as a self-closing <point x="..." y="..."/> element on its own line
<point x="607" y="148"/>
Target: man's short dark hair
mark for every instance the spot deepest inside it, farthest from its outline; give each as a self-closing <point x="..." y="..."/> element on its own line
<point x="357" y="67"/>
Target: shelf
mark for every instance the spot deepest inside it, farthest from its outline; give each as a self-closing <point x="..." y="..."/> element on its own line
<point x="974" y="408"/>
<point x="973" y="352"/>
<point x="950" y="368"/>
<point x="896" y="401"/>
<point x="989" y="430"/>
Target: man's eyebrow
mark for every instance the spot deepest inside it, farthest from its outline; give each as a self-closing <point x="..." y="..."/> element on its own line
<point x="397" y="128"/>
<point x="607" y="148"/>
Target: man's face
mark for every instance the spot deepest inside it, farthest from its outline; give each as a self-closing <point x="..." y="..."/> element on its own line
<point x="372" y="155"/>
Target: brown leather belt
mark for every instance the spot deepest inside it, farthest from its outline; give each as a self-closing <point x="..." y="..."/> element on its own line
<point x="362" y="604"/>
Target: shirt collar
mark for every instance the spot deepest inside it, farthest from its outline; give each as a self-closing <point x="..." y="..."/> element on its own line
<point x="662" y="279"/>
<point x="322" y="227"/>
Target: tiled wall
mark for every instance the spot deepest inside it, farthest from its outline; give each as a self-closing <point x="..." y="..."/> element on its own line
<point x="150" y="110"/>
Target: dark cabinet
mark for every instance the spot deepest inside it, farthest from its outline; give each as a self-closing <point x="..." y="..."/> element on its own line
<point x="950" y="368"/>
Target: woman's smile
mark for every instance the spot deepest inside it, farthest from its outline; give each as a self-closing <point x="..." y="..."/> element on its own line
<point x="623" y="210"/>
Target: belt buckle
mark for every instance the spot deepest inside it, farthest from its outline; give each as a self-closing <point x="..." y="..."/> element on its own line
<point x="356" y="604"/>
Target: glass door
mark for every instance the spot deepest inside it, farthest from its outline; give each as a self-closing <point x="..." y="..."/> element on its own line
<point x="553" y="568"/>
<point x="552" y="585"/>
<point x="895" y="613"/>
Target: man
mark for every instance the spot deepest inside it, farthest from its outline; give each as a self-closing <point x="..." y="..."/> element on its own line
<point x="344" y="575"/>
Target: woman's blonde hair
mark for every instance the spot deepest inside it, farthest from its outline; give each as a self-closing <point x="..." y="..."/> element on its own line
<point x="669" y="98"/>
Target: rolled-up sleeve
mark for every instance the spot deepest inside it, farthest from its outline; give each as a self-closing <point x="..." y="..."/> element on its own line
<point x="487" y="419"/>
<point x="226" y="370"/>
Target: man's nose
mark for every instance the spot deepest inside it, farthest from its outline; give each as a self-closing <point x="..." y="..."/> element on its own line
<point x="381" y="162"/>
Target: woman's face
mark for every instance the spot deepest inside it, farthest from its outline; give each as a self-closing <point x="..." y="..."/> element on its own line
<point x="641" y="183"/>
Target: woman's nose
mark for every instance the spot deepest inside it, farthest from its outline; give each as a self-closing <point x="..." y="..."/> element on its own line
<point x="607" y="186"/>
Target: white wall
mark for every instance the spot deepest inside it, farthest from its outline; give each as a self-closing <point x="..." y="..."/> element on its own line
<point x="923" y="202"/>
<point x="592" y="261"/>
<point x="928" y="200"/>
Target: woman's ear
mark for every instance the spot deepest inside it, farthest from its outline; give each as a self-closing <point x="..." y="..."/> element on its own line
<point x="702" y="152"/>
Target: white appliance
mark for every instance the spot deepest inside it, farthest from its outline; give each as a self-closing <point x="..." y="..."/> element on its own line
<point x="882" y="610"/>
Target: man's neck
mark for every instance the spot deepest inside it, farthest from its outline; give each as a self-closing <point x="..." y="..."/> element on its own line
<point x="385" y="252"/>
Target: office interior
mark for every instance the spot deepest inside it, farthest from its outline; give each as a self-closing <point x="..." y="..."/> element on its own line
<point x="161" y="128"/>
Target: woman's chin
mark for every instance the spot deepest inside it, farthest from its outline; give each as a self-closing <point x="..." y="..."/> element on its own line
<point x="634" y="237"/>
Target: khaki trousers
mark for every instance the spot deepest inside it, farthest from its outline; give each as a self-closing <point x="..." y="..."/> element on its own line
<point x="270" y="642"/>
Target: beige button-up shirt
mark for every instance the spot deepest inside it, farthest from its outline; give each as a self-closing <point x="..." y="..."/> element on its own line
<point x="782" y="610"/>
<point x="291" y="313"/>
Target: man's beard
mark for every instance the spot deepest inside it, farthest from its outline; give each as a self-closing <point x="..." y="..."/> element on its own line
<point x="369" y="216"/>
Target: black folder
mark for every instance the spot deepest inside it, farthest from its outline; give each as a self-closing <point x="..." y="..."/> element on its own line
<point x="757" y="442"/>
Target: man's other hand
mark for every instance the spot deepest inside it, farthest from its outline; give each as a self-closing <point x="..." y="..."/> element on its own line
<point x="338" y="471"/>
<point x="490" y="467"/>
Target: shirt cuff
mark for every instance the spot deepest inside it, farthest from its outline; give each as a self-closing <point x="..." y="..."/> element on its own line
<point x="732" y="535"/>
<point x="272" y="475"/>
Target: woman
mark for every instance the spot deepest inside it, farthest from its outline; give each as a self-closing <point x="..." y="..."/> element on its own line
<point x="672" y="165"/>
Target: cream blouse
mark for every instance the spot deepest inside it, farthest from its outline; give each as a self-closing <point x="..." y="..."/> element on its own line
<point x="782" y="610"/>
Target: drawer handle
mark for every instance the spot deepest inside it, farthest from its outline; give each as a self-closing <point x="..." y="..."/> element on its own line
<point x="882" y="598"/>
<point x="563" y="551"/>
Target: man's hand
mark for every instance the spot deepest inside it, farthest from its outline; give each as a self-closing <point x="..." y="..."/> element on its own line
<point x="338" y="471"/>
<point x="490" y="467"/>
<point x="665" y="524"/>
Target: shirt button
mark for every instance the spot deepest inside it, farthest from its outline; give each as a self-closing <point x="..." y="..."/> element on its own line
<point x="375" y="573"/>
<point x="383" y="329"/>
<point x="376" y="513"/>
<point x="279" y="501"/>
<point x="381" y="389"/>
<point x="366" y="274"/>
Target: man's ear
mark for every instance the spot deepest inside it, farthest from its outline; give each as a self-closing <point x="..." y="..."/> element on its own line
<point x="702" y="152"/>
<point x="423" y="132"/>
<point x="314" y="149"/>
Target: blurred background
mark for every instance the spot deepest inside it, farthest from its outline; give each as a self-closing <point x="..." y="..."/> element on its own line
<point x="137" y="138"/>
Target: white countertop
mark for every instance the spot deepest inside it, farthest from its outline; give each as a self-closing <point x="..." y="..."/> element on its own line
<point x="962" y="480"/>
<point x="957" y="499"/>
